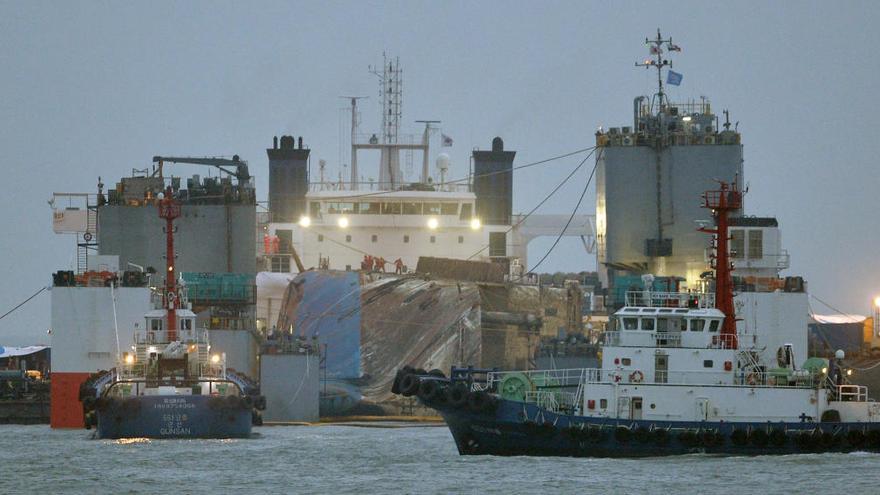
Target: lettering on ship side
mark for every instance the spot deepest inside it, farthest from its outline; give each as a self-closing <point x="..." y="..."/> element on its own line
<point x="175" y="424"/>
<point x="174" y="403"/>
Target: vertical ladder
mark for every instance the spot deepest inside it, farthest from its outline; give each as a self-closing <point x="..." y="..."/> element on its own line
<point x="89" y="240"/>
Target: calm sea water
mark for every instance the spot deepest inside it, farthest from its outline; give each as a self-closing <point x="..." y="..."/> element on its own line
<point x="347" y="459"/>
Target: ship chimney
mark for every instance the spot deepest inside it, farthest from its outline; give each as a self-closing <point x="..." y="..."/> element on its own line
<point x="493" y="184"/>
<point x="288" y="179"/>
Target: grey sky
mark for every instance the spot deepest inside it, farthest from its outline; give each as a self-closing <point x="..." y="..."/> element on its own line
<point x="98" y="88"/>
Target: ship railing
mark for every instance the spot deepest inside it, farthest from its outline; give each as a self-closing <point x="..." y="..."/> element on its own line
<point x="377" y="187"/>
<point x="852" y="393"/>
<point x="636" y="338"/>
<point x="667" y="339"/>
<point x="656" y="299"/>
<point x="209" y="370"/>
<point x="556" y="381"/>
<point x="131" y="371"/>
<point x="137" y="387"/>
<point x="546" y="379"/>
<point x="612" y="338"/>
<point x="161" y="336"/>
<point x="552" y="400"/>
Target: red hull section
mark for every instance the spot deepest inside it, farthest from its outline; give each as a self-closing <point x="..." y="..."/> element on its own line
<point x="65" y="407"/>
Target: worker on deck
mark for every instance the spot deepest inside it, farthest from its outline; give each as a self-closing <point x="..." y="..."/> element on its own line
<point x="379" y="264"/>
<point x="398" y="266"/>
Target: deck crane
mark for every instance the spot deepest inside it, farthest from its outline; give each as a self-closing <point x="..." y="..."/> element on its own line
<point x="241" y="169"/>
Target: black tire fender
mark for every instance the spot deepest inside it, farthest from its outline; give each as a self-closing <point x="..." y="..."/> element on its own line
<point x="409" y="385"/>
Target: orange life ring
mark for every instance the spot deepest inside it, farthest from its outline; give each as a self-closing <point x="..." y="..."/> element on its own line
<point x="636" y="376"/>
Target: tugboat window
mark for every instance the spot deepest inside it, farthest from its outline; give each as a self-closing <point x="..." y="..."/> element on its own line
<point x="603" y="403"/>
<point x="662" y="324"/>
<point x="647" y="323"/>
<point x="707" y="363"/>
<point x="697" y="325"/>
<point x="713" y="326"/>
<point x="156" y="324"/>
<point x="630" y="323"/>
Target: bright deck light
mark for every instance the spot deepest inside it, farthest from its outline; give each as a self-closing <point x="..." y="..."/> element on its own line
<point x="215" y="358"/>
<point x="877" y="301"/>
<point x="433" y="223"/>
<point x="129" y="359"/>
<point x="342" y="222"/>
<point x="305" y="221"/>
<point x="476" y="224"/>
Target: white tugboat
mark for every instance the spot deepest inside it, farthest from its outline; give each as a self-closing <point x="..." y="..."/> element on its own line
<point x="675" y="378"/>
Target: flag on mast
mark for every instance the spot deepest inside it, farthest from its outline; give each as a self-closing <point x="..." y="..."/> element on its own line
<point x="673" y="48"/>
<point x="445" y="140"/>
<point x="674" y="78"/>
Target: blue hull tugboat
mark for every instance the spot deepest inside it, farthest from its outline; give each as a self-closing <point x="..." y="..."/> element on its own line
<point x="676" y="377"/>
<point x="171" y="385"/>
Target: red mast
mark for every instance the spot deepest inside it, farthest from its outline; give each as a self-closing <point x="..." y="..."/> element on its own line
<point x="169" y="209"/>
<point x="723" y="201"/>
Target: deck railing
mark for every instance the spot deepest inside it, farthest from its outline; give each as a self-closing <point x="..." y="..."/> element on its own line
<point x="571" y="379"/>
<point x="852" y="393"/>
<point x="656" y="299"/>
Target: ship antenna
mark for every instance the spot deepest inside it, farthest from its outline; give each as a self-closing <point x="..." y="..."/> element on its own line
<point x="658" y="62"/>
<point x="726" y="199"/>
<point x="169" y="209"/>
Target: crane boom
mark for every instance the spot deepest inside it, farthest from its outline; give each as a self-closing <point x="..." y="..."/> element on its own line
<point x="241" y="169"/>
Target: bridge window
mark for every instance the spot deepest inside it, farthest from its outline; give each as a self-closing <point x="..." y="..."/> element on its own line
<point x="737" y="244"/>
<point x="432" y="209"/>
<point x="713" y="325"/>
<point x="155" y="324"/>
<point x="756" y="244"/>
<point x="647" y="323"/>
<point x="412" y="208"/>
<point x="449" y="209"/>
<point x="467" y="211"/>
<point x="186" y="324"/>
<point x="369" y="208"/>
<point x="280" y="264"/>
<point x="630" y="323"/>
<point x="698" y="324"/>
<point x="497" y="244"/>
<point x="340" y="208"/>
<point x="391" y="208"/>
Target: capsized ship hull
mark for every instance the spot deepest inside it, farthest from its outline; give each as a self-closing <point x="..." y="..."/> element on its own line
<point x="174" y="416"/>
<point x="369" y="325"/>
